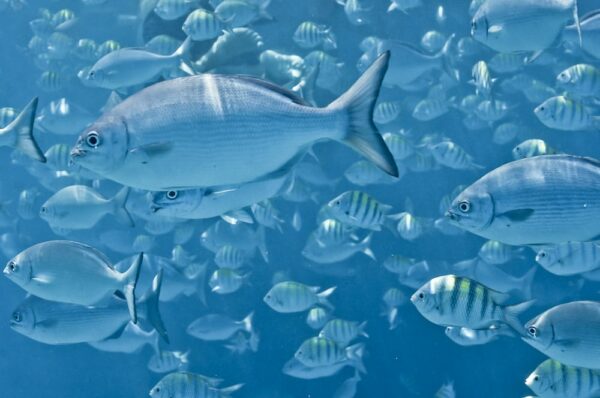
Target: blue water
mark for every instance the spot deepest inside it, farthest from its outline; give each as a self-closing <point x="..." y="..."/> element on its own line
<point x="413" y="360"/>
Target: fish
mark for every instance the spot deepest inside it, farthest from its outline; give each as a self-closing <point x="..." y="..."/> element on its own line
<point x="290" y="296"/>
<point x="231" y="257"/>
<point x="497" y="253"/>
<point x="317" y="317"/>
<point x="566" y="114"/>
<point x="506" y="133"/>
<point x="71" y="272"/>
<point x="320" y="351"/>
<point x="61" y="323"/>
<point x="173" y="9"/>
<point x="188" y="385"/>
<point x="348" y="387"/>
<point x="168" y="361"/>
<point x="297" y="369"/>
<point x="520" y="202"/>
<point x="151" y="151"/>
<point x="320" y="253"/>
<point x="310" y="35"/>
<point x="552" y="379"/>
<point x="18" y="133"/>
<point x="404" y="5"/>
<point x="131" y="66"/>
<point x="363" y="173"/>
<point x="433" y="41"/>
<point x="81" y="207"/>
<point x="567" y="333"/>
<point x="495" y="26"/>
<point x="239" y="13"/>
<point x="580" y="79"/>
<point x="451" y="300"/>
<point x="129" y="340"/>
<point x="451" y="155"/>
<point x="63" y="117"/>
<point x="202" y="25"/>
<point x="219" y="327"/>
<point x="361" y="210"/>
<point x="471" y="337"/>
<point x="226" y="280"/>
<point x="342" y="331"/>
<point x="569" y="258"/>
<point x="589" y="26"/>
<point x="532" y="147"/>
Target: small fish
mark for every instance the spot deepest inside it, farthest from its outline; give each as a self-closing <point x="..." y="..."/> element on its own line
<point x="449" y="154"/>
<point x="506" y="132"/>
<point x="231" y="257"/>
<point x="226" y="281"/>
<point x="348" y="387"/>
<point x="82" y="207"/>
<point x="532" y="147"/>
<point x="481" y="79"/>
<point x="492" y="110"/>
<point x="471" y="337"/>
<point x="552" y="379"/>
<point x="239" y="13"/>
<point x="288" y="297"/>
<point x="129" y="66"/>
<point x="26" y="207"/>
<point x="219" y="327"/>
<point x="393" y="298"/>
<point x="404" y="5"/>
<point x="52" y="81"/>
<point x="343" y="332"/>
<point x="85" y="49"/>
<point x="410" y="227"/>
<point x="187" y="385"/>
<point x="311" y="35"/>
<point x="63" y="117"/>
<point x="566" y="114"/>
<point x="386" y="112"/>
<point x="106" y="48"/>
<point x="505" y="63"/>
<point x="399" y="145"/>
<point x="71" y="272"/>
<point x="170" y="10"/>
<point x="361" y="210"/>
<point x="297" y="369"/>
<point x="321" y="253"/>
<point x="430" y="108"/>
<point x="163" y="44"/>
<point x="569" y="258"/>
<point x="446" y="391"/>
<point x="497" y="253"/>
<point x="433" y="41"/>
<point x="363" y="173"/>
<point x="581" y="80"/>
<point x="267" y="215"/>
<point x="320" y="351"/>
<point x="449" y="300"/>
<point x="317" y="317"/>
<point x="168" y="361"/>
<point x="333" y="232"/>
<point x="129" y="340"/>
<point x="202" y="25"/>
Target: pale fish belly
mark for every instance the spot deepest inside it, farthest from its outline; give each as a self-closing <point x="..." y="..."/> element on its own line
<point x="219" y="131"/>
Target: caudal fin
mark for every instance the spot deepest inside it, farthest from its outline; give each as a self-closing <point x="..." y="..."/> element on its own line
<point x="359" y="103"/>
<point x="20" y="132"/>
<point x="130" y="277"/>
<point x="355" y="354"/>
<point x="120" y="211"/>
<point x="323" y="297"/>
<point x="182" y="53"/>
<point x="150" y="302"/>
<point x="511" y="314"/>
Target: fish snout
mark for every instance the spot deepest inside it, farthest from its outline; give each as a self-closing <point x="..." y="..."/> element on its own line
<point x="452" y="216"/>
<point x="77" y="152"/>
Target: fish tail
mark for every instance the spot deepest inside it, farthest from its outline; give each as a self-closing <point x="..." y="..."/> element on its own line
<point x="227" y="391"/>
<point x="512" y="312"/>
<point x="22" y="130"/>
<point x="444" y="54"/>
<point x="361" y="329"/>
<point x="366" y="247"/>
<point x="151" y="303"/>
<point x="359" y="102"/>
<point x="119" y="201"/>
<point x="247" y="321"/>
<point x="323" y="297"/>
<point x="355" y="355"/>
<point x="130" y="277"/>
<point x="262" y="243"/>
<point x="182" y="53"/>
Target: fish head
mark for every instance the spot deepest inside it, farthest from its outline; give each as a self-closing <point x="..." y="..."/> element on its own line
<point x="273" y="300"/>
<point x="547" y="257"/>
<point x="47" y="212"/>
<point x="102" y="147"/>
<point x="546" y="111"/>
<point x="566" y="78"/>
<point x="426" y="300"/>
<point x="22" y="319"/>
<point x="539" y="332"/>
<point x="19" y="270"/>
<point x="539" y="382"/>
<point x="473" y="209"/>
<point x="480" y="26"/>
<point x="173" y="202"/>
<point x="160" y="390"/>
<point x="341" y="204"/>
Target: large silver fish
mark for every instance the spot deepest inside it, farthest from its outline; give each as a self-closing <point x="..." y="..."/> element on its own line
<point x="211" y="130"/>
<point x="514" y="25"/>
<point x="569" y="333"/>
<point x="541" y="200"/>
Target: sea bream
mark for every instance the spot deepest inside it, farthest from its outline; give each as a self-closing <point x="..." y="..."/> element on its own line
<point x="213" y="130"/>
<point x="533" y="201"/>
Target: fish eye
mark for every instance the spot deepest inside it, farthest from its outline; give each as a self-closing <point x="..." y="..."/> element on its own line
<point x="542" y="108"/>
<point x="12" y="266"/>
<point x="43" y="209"/>
<point x="532" y="330"/>
<point x="542" y="254"/>
<point x="536" y="378"/>
<point x="464" y="206"/>
<point x="337" y="202"/>
<point x="93" y="139"/>
<point x="421" y="296"/>
<point x="172" y="195"/>
<point x="17" y="317"/>
<point x="92" y="74"/>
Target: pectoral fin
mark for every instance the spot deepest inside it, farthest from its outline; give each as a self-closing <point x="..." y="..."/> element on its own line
<point x="567" y="343"/>
<point x="517" y="215"/>
<point x="144" y="153"/>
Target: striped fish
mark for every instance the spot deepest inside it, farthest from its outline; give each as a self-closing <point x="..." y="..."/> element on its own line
<point x="446" y="391"/>
<point x="317" y="317"/>
<point x="51" y="81"/>
<point x="168" y="361"/>
<point x="311" y="35"/>
<point x="359" y="209"/>
<point x="551" y="379"/>
<point x="7" y="115"/>
<point x="85" y="49"/>
<point x="172" y="9"/>
<point x="226" y="281"/>
<point x="562" y="113"/>
<point x="505" y="133"/>
<point x="492" y="110"/>
<point x="363" y="173"/>
<point x="430" y="109"/>
<point x="450" y="300"/>
<point x="451" y="155"/>
<point x="27" y="208"/>
<point x="289" y="296"/>
<point x="393" y="298"/>
<point x="331" y="231"/>
<point x="231" y="257"/>
<point x="569" y="258"/>
<point x="202" y="25"/>
<point x="399" y="145"/>
<point x="398" y="264"/>
<point x="106" y="48"/>
<point x="163" y="44"/>
<point x="62" y="19"/>
<point x="191" y="385"/>
<point x="433" y="41"/>
<point x="506" y="63"/>
<point x="532" y="147"/>
<point x="497" y="253"/>
<point x="267" y="215"/>
<point x="481" y="79"/>
<point x="342" y="331"/>
<point x="410" y="227"/>
<point x="321" y="351"/>
<point x="386" y="112"/>
<point x="470" y="337"/>
<point x="581" y="79"/>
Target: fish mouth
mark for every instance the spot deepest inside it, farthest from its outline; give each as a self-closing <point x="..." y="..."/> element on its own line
<point x="77" y="153"/>
<point x="452" y="217"/>
<point x="155" y="208"/>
